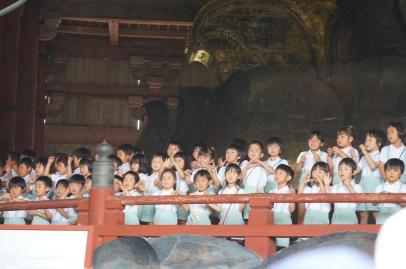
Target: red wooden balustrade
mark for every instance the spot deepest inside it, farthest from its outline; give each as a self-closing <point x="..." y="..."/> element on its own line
<point x="103" y="210"/>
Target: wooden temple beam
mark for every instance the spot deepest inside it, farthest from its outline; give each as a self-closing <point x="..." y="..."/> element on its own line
<point x="60" y="50"/>
<point x="112" y="31"/>
<point x="119" y="91"/>
<point x="73" y="134"/>
<point x="188" y="24"/>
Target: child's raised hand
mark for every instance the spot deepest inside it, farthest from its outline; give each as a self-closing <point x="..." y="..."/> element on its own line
<point x="303" y="158"/>
<point x="70" y="159"/>
<point x="141" y="187"/>
<point x="51" y="159"/>
<point x="363" y="149"/>
<point x="327" y="179"/>
<point x="330" y="152"/>
<point x="221" y="162"/>
<point x="7" y="168"/>
<point x="168" y="163"/>
<point x="336" y="150"/>
<point x="188" y="176"/>
<point x="352" y="152"/>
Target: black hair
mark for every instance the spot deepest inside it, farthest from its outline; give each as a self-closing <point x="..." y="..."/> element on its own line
<point x="322" y="166"/>
<point x="198" y="145"/>
<point x="134" y="174"/>
<point x="275" y="140"/>
<point x="17" y="182"/>
<point x="395" y="163"/>
<point x="287" y="169"/>
<point x="62" y="158"/>
<point x="207" y="151"/>
<point x="235" y="147"/>
<point x="142" y="161"/>
<point x="233" y="166"/>
<point x="63" y="182"/>
<point x="115" y="159"/>
<point x="175" y="143"/>
<point x="89" y="177"/>
<point x="28" y="153"/>
<point x="185" y="158"/>
<point x="14" y="156"/>
<point x="27" y="162"/>
<point x="158" y="155"/>
<point x="138" y="150"/>
<point x="128" y="149"/>
<point x="118" y="178"/>
<point x="317" y="134"/>
<point x="399" y="127"/>
<point x="82" y="152"/>
<point x="46" y="180"/>
<point x="346" y="130"/>
<point x="79" y="179"/>
<point x="202" y="173"/>
<point x="379" y="136"/>
<point x="88" y="161"/>
<point x="349" y="162"/>
<point x="41" y="161"/>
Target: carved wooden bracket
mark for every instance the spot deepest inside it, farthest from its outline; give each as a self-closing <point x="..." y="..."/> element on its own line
<point x="49" y="29"/>
<point x="155" y="82"/>
<point x="55" y="107"/>
<point x="136" y="104"/>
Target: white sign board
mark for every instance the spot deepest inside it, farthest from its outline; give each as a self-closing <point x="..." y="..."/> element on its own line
<point x="42" y="249"/>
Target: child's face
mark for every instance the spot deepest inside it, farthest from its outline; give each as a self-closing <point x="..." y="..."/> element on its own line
<point x="129" y="183"/>
<point x="168" y="181"/>
<point x="117" y="185"/>
<point x="281" y="177"/>
<point x="392" y="135"/>
<point x="75" y="188"/>
<point x="84" y="170"/>
<point x="370" y="143"/>
<point x="180" y="162"/>
<point x="393" y="174"/>
<point x="61" y="191"/>
<point x="232" y="176"/>
<point x="23" y="170"/>
<point x="16" y="191"/>
<point x="39" y="169"/>
<point x="274" y="150"/>
<point x="314" y="143"/>
<point x="202" y="183"/>
<point x="88" y="185"/>
<point x="61" y="168"/>
<point x="346" y="172"/>
<point x="204" y="160"/>
<point x="157" y="164"/>
<point x="123" y="157"/>
<point x="41" y="189"/>
<point x="319" y="174"/>
<point x="135" y="167"/>
<point x="172" y="150"/>
<point x="255" y="152"/>
<point x="195" y="153"/>
<point x="344" y="140"/>
<point x="232" y="156"/>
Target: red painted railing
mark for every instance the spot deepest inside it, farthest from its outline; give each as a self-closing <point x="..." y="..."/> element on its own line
<point x="104" y="211"/>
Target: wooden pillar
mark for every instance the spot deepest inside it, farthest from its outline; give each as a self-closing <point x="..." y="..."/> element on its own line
<point x="9" y="44"/>
<point x="260" y="214"/>
<point x="40" y="114"/>
<point x="27" y="77"/>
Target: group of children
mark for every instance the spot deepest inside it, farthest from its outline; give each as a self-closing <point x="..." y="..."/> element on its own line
<point x="243" y="171"/>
